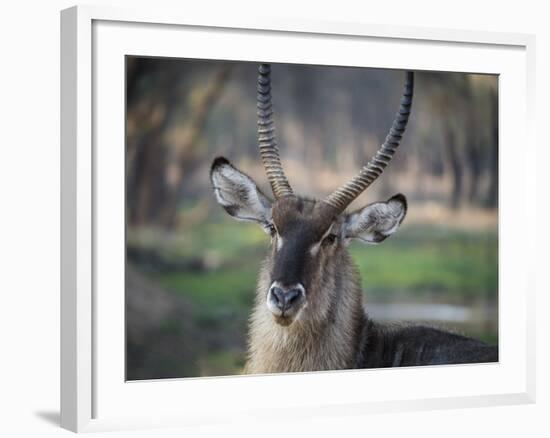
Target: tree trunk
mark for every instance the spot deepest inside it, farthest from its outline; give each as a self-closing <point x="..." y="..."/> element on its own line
<point x="455" y="165"/>
<point x="491" y="199"/>
<point x="179" y="160"/>
<point x="474" y="159"/>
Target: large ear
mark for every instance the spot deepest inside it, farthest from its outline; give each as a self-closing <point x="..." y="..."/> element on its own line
<point x="376" y="222"/>
<point x="238" y="194"/>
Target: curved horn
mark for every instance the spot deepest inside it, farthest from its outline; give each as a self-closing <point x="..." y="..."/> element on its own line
<point x="342" y="197"/>
<point x="266" y="136"/>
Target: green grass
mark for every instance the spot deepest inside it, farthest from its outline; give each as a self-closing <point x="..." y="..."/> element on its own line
<point x="464" y="265"/>
<point x="227" y="240"/>
<point x="225" y="288"/>
<point x="416" y="261"/>
<point x="417" y="264"/>
<point x="222" y="363"/>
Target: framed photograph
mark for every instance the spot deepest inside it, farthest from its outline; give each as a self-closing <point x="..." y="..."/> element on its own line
<point x="231" y="188"/>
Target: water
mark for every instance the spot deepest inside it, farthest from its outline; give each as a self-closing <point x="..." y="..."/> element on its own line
<point x="420" y="312"/>
<point x="478" y="319"/>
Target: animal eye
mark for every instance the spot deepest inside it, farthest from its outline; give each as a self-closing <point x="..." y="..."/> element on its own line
<point x="330" y="239"/>
<point x="270" y="228"/>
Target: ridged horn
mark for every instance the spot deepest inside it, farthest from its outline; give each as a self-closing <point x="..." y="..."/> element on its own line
<point x="343" y="196"/>
<point x="266" y="136"/>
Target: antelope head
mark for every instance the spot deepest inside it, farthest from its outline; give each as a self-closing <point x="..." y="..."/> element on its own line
<point x="308" y="236"/>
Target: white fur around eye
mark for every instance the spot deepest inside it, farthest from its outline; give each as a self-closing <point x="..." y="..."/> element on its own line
<point x="317" y="245"/>
<point x="315" y="248"/>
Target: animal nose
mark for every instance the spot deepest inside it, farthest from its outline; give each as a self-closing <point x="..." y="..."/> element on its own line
<point x="284" y="299"/>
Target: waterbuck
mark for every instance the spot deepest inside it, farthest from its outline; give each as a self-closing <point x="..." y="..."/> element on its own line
<point x="308" y="312"/>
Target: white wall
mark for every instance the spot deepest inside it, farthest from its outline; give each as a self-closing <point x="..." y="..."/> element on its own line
<point x="29" y="218"/>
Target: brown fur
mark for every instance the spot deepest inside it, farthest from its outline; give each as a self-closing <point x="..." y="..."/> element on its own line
<point x="326" y="335"/>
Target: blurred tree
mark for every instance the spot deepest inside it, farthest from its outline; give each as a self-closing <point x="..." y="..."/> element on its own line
<point x="182" y="148"/>
<point x="180" y="113"/>
<point x="491" y="198"/>
<point x="155" y="166"/>
<point x="468" y="122"/>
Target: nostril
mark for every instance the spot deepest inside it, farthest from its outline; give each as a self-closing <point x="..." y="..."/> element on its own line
<point x="284" y="299"/>
<point x="278" y="296"/>
<point x="292" y="295"/>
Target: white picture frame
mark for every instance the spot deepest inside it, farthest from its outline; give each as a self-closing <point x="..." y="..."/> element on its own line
<point x="94" y="396"/>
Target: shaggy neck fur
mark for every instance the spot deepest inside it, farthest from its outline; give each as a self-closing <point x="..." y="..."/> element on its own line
<point x="325" y="336"/>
